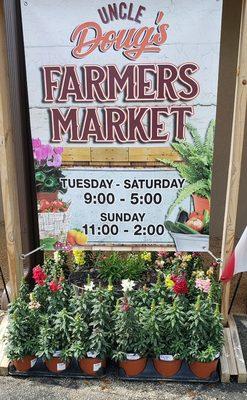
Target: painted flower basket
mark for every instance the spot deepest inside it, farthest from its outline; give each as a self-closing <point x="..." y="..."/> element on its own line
<point x="54" y="224"/>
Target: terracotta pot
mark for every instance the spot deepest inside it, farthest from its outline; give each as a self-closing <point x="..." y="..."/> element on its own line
<point x="133" y="367"/>
<point x="25" y="363"/>
<point x="49" y="196"/>
<point x="203" y="369"/>
<point x="167" y="368"/>
<point x="90" y="366"/>
<point x="201" y="204"/>
<point x="56" y="364"/>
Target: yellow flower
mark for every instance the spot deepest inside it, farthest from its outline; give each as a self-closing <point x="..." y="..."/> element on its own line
<point x="79" y="257"/>
<point x="210" y="271"/>
<point x="187" y="258"/>
<point x="169" y="282"/>
<point x="146" y="256"/>
<point x="199" y="274"/>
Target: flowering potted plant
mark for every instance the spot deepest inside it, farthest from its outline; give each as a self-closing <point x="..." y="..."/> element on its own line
<point x="91" y="333"/>
<point x="166" y="327"/>
<point x="54" y="340"/>
<point x="22" y="331"/>
<point x="47" y="163"/>
<point x="205" y="337"/>
<point x="130" y="338"/>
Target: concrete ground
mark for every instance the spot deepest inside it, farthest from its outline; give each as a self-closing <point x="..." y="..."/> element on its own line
<point x="108" y="389"/>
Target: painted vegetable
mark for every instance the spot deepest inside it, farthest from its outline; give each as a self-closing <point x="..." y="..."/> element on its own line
<point x="195" y="223"/>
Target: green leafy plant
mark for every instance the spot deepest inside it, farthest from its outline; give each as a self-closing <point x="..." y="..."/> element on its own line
<point x="207" y="355"/>
<point x="118" y="267"/>
<point x="205" y="330"/>
<point x="129" y="333"/>
<point x="174" y="328"/>
<point x="23" y="327"/>
<point x="55" y="335"/>
<point x="196" y="167"/>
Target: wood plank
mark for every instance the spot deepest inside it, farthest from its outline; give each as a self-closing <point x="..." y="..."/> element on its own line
<point x="109" y="154"/>
<point x="76" y="154"/>
<point x="237" y="140"/>
<point x="230" y="353"/>
<point x="224" y="366"/>
<point x="241" y="367"/>
<point x="8" y="174"/>
<point x="4" y="362"/>
<point x="80" y="156"/>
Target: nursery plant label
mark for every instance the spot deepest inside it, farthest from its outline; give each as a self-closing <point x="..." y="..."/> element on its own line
<point x="122" y="102"/>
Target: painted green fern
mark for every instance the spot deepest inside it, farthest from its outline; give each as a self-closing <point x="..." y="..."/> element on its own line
<point x="196" y="167"/>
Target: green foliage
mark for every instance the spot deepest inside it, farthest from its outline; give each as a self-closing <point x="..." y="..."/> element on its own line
<point x="130" y="335"/>
<point x="175" y="328"/>
<point x="204" y="328"/>
<point x="196" y="167"/>
<point x="117" y="267"/>
<point x="48" y="179"/>
<point x="55" y="335"/>
<point x="22" y="330"/>
<point x="207" y="355"/>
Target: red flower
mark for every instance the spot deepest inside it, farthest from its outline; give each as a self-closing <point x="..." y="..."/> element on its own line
<point x="181" y="286"/>
<point x="39" y="275"/>
<point x="54" y="286"/>
<point x="125" y="305"/>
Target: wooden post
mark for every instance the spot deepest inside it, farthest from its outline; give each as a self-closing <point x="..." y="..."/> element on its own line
<point x="237" y="141"/>
<point x="8" y="170"/>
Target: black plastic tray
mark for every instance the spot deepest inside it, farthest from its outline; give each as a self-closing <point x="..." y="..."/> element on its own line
<point x="40" y="370"/>
<point x="149" y="374"/>
<point x="183" y="375"/>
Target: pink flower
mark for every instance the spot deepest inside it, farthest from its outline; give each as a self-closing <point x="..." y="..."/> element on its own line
<point x="36" y="143"/>
<point x="203" y="284"/>
<point x="58" y="150"/>
<point x="162" y="254"/>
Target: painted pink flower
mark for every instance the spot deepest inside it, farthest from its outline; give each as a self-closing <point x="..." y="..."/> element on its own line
<point x="58" y="150"/>
<point x="36" y="143"/>
<point x="47" y="151"/>
<point x="203" y="284"/>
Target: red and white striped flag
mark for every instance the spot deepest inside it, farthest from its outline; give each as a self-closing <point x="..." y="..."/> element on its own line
<point x="237" y="261"/>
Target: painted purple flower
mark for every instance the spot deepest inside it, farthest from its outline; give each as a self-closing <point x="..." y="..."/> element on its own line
<point x="55" y="162"/>
<point x="36" y="143"/>
<point x="58" y="150"/>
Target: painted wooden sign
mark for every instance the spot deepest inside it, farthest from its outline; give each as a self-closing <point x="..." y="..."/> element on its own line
<point x="122" y="99"/>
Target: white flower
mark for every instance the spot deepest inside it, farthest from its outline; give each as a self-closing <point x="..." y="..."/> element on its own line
<point x="89" y="286"/>
<point x="127" y="285"/>
<point x="57" y="257"/>
<point x="34" y="305"/>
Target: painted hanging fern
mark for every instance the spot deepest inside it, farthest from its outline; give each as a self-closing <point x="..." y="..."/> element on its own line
<point x="196" y="164"/>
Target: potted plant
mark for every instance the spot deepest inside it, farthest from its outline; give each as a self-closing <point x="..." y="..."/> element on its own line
<point x="205" y="337"/>
<point x="91" y="334"/>
<point x="166" y="327"/>
<point x="22" y="332"/>
<point x="54" y="341"/>
<point x="130" y="337"/>
<point x="47" y="163"/>
<point x="196" y="168"/>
